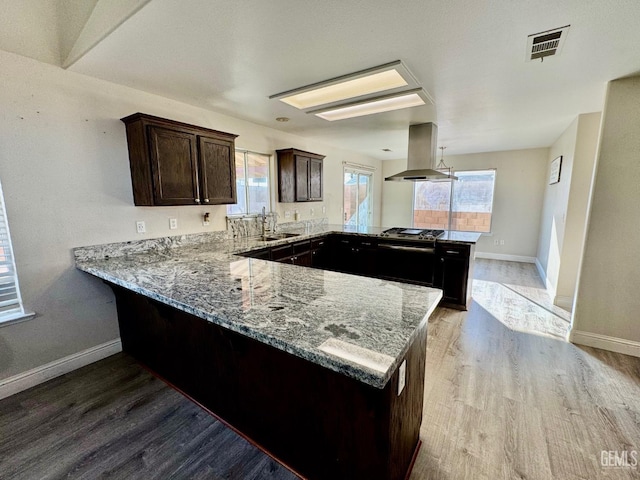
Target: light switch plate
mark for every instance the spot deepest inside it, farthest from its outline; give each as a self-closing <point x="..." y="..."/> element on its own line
<point x="140" y="227"/>
<point x="402" y="376"/>
<point x="173" y="223"/>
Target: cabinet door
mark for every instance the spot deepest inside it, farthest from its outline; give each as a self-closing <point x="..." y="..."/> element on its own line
<point x="454" y="279"/>
<point x="302" y="178"/>
<point x="304" y="259"/>
<point x="315" y="179"/>
<point x="174" y="167"/>
<point x="217" y="170"/>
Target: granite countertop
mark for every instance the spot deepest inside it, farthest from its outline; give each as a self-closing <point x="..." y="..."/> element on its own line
<point x="358" y="326"/>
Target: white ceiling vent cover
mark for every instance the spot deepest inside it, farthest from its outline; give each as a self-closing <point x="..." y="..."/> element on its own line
<point x="546" y="44"/>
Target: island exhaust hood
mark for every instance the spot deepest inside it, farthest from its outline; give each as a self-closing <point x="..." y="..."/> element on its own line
<point x="421" y="158"/>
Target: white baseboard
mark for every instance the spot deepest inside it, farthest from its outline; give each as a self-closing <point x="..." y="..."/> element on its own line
<point x="543" y="275"/>
<point x="506" y="257"/>
<point x="604" y="342"/>
<point x="563" y="302"/>
<point x="31" y="378"/>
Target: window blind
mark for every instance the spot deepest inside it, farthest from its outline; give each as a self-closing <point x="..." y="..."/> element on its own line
<point x="10" y="301"/>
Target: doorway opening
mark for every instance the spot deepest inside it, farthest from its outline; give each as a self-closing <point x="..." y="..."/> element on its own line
<point x="358" y="202"/>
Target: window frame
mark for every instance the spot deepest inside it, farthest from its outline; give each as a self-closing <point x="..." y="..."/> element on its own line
<point x="246" y="213"/>
<point x="17" y="313"/>
<point x="451" y="188"/>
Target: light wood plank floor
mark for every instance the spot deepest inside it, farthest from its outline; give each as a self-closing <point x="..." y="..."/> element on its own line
<point x="505" y="398"/>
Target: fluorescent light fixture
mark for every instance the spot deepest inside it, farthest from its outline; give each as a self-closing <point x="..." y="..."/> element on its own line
<point x="378" y="82"/>
<point x="406" y="99"/>
<point x="389" y="77"/>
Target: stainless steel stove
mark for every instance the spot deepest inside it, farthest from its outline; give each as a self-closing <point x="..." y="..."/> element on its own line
<point x="412" y="233"/>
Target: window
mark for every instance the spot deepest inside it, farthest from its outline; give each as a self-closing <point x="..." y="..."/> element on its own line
<point x="465" y="204"/>
<point x="252" y="183"/>
<point x="10" y="301"/>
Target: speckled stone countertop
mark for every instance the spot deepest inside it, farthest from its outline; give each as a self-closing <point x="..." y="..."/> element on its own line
<point x="358" y="326"/>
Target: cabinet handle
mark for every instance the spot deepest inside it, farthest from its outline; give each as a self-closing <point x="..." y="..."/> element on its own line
<point x="206" y="200"/>
<point x="454" y="252"/>
<point x="442" y="259"/>
<point x="197" y="200"/>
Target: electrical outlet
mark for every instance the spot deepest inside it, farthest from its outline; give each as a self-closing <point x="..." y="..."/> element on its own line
<point x="312" y="212"/>
<point x="324" y="209"/>
<point x="501" y="242"/>
<point x="140" y="227"/>
<point x="496" y="242"/>
<point x="402" y="376"/>
<point x="173" y="223"/>
<point x="287" y="214"/>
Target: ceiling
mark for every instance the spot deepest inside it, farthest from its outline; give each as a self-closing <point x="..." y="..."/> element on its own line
<point x="230" y="56"/>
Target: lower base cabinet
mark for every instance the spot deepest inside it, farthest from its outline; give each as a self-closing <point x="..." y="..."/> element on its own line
<point x="322" y="424"/>
<point x="454" y="273"/>
<point x="448" y="267"/>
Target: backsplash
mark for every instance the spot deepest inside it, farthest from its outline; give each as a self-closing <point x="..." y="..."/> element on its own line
<point x="251" y="226"/>
<point x="162" y="244"/>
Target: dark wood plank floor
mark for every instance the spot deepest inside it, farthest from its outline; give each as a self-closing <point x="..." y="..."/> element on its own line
<point x="113" y="419"/>
<point x="505" y="398"/>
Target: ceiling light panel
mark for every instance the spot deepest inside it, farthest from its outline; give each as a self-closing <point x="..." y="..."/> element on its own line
<point x="413" y="98"/>
<point x="378" y="82"/>
<point x="389" y="78"/>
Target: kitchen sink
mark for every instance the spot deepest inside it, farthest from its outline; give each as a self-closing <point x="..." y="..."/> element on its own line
<point x="279" y="236"/>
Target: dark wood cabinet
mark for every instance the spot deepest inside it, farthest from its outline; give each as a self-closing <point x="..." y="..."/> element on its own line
<point x="298" y="253"/>
<point x="454" y="273"/>
<point x="217" y="169"/>
<point x="174" y="163"/>
<point x="321" y="423"/>
<point x="299" y="176"/>
<point x="448" y="266"/>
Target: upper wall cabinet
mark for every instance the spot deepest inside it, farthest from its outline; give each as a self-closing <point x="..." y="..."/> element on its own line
<point x="174" y="163"/>
<point x="299" y="176"/>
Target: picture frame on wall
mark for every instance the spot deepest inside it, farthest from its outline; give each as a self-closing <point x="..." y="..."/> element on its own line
<point x="556" y="167"/>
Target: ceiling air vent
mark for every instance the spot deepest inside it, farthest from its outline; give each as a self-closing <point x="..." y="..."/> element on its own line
<point x="546" y="44"/>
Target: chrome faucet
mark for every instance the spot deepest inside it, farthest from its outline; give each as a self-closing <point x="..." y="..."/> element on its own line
<point x="264" y="222"/>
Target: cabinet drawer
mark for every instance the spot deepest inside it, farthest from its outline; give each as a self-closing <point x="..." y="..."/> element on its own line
<point x="318" y="242"/>
<point x="301" y="247"/>
<point x="284" y="251"/>
<point x="453" y="250"/>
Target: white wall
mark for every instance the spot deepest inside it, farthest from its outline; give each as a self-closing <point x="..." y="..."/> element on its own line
<point x="607" y="303"/>
<point x="564" y="213"/>
<point x="576" y="209"/>
<point x="517" y="201"/>
<point x="64" y="169"/>
<point x="554" y="210"/>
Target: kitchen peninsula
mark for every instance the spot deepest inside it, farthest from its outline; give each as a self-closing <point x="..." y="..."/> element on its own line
<point x="324" y="370"/>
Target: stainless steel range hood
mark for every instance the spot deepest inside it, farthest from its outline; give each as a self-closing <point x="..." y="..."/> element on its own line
<point x="421" y="160"/>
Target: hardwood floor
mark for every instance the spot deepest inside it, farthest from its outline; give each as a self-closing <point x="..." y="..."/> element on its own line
<point x="505" y="398"/>
<point x="113" y="419"/>
<point x="515" y="295"/>
<point x="504" y="404"/>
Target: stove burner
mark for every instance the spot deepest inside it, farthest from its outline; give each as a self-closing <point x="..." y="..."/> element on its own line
<point x="412" y="233"/>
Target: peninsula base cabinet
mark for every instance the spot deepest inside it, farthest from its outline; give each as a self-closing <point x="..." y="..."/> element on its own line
<point x="322" y="424"/>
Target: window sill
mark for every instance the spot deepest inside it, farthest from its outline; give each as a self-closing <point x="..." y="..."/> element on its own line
<point x="17" y="318"/>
